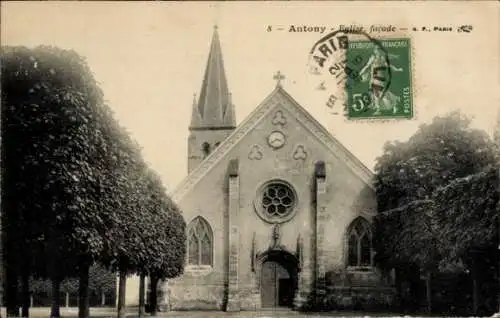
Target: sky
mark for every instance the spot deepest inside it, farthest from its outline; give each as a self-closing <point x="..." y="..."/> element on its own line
<point x="149" y="59"/>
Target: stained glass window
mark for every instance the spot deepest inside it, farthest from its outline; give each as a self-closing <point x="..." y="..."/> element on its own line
<point x="199" y="242"/>
<point x="359" y="243"/>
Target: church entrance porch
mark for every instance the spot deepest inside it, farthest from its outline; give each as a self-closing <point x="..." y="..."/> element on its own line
<point x="278" y="280"/>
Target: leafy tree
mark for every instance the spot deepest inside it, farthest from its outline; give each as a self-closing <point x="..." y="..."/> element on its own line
<point x="150" y="247"/>
<point x="101" y="280"/>
<point x="406" y="240"/>
<point x="415" y="239"/>
<point x="125" y="176"/>
<point x="168" y="252"/>
<point x="409" y="180"/>
<point x="436" y="154"/>
<point x="53" y="154"/>
<point x="467" y="217"/>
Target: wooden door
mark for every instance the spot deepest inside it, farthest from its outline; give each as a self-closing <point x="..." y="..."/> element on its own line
<point x="275" y="285"/>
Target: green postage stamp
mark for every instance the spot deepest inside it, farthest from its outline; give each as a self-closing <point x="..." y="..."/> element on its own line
<point x="379" y="83"/>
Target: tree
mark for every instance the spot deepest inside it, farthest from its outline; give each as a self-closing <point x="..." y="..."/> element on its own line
<point x="468" y="221"/>
<point x="435" y="155"/>
<point x="154" y="246"/>
<point x="125" y="172"/>
<point x="53" y="151"/>
<point x="405" y="239"/>
<point x="168" y="252"/>
<point x="408" y="176"/>
<point x="101" y="281"/>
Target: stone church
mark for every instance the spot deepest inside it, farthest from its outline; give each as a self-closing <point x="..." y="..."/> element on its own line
<point x="278" y="212"/>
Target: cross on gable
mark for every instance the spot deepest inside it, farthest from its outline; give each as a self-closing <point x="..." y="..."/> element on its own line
<point x="278" y="77"/>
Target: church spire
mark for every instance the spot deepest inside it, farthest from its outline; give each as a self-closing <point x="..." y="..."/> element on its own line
<point x="214" y="103"/>
<point x="213" y="115"/>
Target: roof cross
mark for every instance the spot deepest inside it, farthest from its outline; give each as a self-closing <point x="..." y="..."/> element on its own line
<point x="278" y="77"/>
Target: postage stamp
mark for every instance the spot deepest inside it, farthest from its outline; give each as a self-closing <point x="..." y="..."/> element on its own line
<point x="371" y="77"/>
<point x="382" y="87"/>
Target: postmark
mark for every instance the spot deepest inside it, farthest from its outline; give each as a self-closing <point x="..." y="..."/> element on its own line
<point x="370" y="78"/>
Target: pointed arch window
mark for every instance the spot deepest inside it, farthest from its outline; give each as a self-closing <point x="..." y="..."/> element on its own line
<point x="359" y="243"/>
<point x="200" y="243"/>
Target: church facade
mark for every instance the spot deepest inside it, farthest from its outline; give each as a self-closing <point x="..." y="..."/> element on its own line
<point x="278" y="212"/>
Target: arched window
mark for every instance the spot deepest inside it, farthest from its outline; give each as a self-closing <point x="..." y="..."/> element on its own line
<point x="359" y="243"/>
<point x="206" y="149"/>
<point x="199" y="248"/>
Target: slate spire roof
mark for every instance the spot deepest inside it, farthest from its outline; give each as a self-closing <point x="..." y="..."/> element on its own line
<point x="214" y="108"/>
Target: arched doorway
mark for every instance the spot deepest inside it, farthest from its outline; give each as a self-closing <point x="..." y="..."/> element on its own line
<point x="278" y="279"/>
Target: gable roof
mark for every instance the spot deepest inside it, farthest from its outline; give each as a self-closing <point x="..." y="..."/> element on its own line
<point x="277" y="97"/>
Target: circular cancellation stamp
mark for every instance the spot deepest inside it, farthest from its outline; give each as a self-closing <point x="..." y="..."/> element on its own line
<point x="370" y="77"/>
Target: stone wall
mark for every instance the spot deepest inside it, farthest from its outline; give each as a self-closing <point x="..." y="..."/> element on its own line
<point x="204" y="297"/>
<point x="348" y="289"/>
<point x="359" y="298"/>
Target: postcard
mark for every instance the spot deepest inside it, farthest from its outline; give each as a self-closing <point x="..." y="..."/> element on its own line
<point x="324" y="156"/>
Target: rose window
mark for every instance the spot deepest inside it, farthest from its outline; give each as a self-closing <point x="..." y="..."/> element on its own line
<point x="277" y="201"/>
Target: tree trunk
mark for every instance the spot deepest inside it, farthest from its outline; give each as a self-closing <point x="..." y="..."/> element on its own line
<point x="121" y="294"/>
<point x="25" y="293"/>
<point x="475" y="287"/>
<point x="153" y="299"/>
<point x="55" y="310"/>
<point x="66" y="300"/>
<point x="103" y="298"/>
<point x="399" y="289"/>
<point x="428" y="292"/>
<point x="83" y="291"/>
<point x="11" y="292"/>
<point x="141" y="295"/>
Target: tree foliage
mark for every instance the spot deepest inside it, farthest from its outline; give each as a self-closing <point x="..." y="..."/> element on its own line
<point x="51" y="142"/>
<point x="467" y="216"/>
<point x="439" y="152"/>
<point x="438" y="202"/>
<point x="100" y="279"/>
<point x="407" y="235"/>
<point x="411" y="173"/>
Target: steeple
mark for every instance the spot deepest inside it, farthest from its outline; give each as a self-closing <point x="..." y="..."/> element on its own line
<point x="214" y="104"/>
<point x="213" y="115"/>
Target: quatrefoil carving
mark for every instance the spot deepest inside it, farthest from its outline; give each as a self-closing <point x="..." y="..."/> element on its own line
<point x="255" y="153"/>
<point x="300" y="153"/>
<point x="279" y="118"/>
